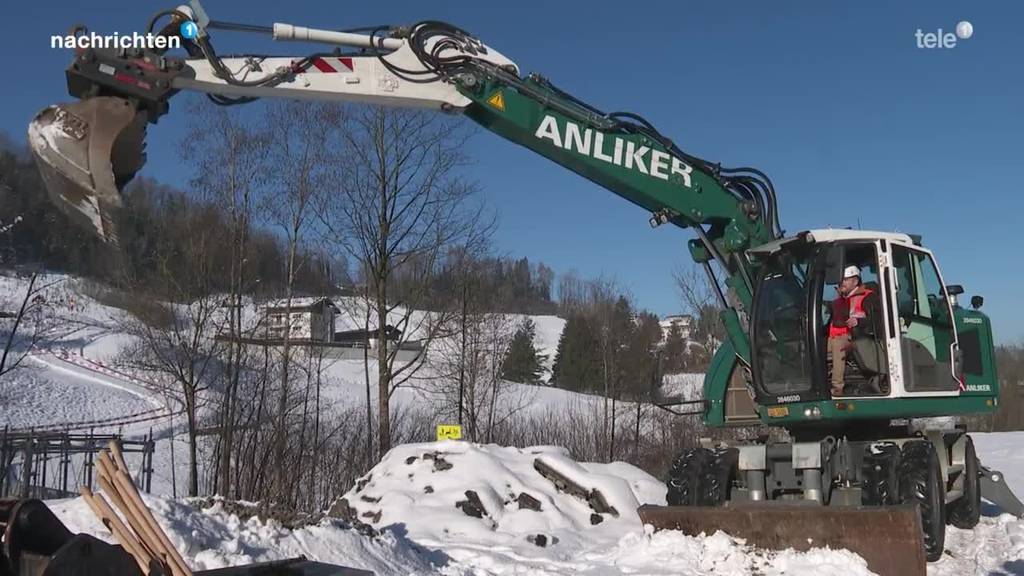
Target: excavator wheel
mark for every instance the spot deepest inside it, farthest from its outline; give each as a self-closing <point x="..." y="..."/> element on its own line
<point x="683" y="477"/>
<point x="921" y="483"/>
<point x="702" y="477"/>
<point x="964" y="512"/>
<point x="880" y="472"/>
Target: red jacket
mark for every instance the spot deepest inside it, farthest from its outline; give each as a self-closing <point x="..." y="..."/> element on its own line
<point x="844" y="307"/>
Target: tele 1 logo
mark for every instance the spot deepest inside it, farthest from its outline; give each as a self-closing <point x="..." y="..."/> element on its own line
<point x="940" y="39"/>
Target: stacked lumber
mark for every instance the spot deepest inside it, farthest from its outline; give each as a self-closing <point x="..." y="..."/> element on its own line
<point x="135" y="528"/>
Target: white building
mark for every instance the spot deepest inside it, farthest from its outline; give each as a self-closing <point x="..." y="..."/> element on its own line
<point x="684" y="321"/>
<point x="311" y="319"/>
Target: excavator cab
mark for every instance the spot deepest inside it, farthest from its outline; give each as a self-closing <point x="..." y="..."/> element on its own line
<point x="906" y="347"/>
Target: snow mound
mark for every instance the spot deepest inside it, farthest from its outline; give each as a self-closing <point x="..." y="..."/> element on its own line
<point x="490" y="495"/>
<point x="467" y="501"/>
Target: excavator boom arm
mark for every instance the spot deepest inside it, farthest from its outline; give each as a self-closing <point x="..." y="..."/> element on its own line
<point x="430" y="65"/>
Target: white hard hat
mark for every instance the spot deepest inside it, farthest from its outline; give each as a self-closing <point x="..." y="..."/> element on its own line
<point x="850" y="272"/>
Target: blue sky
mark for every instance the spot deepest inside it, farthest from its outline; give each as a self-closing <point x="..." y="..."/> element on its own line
<point x="853" y="122"/>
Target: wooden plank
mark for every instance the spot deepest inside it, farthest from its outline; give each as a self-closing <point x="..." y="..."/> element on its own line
<point x="113" y="523"/>
<point x="136" y="526"/>
<point x="131" y="493"/>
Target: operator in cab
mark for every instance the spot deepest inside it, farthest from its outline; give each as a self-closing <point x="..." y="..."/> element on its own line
<point x="854" y="314"/>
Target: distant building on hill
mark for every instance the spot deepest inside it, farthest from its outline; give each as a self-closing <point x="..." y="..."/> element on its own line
<point x="312" y="323"/>
<point x="369" y="338"/>
<point x="684" y="321"/>
<point x="311" y="319"/>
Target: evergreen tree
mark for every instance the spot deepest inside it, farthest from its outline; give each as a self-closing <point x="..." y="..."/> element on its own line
<point x="620" y="331"/>
<point x="578" y="358"/>
<point x="522" y="363"/>
<point x="641" y="362"/>
<point x="675" y="350"/>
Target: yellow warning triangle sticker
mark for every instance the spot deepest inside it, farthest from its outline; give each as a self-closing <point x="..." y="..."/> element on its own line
<point x="497" y="100"/>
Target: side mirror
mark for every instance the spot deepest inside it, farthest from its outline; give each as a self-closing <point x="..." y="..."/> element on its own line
<point x="954" y="290"/>
<point x="976" y="302"/>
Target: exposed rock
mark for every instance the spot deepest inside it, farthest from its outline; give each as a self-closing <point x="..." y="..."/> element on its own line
<point x="344" y="511"/>
<point x="472" y="506"/>
<point x="527" y="502"/>
<point x="563" y="483"/>
<point x="542" y="540"/>
<point x="288" y="518"/>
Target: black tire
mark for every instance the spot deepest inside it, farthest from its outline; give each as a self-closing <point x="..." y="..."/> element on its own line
<point x="702" y="477"/>
<point x="965" y="511"/>
<point x="921" y="483"/>
<point x="716" y="482"/>
<point x="880" y="475"/>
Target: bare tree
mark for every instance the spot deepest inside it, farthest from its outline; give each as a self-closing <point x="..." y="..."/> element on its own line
<point x="14" y="353"/>
<point x="301" y="153"/>
<point x="465" y="373"/>
<point x="401" y="203"/>
<point x="25" y="328"/>
<point x="572" y="293"/>
<point x="31" y="320"/>
<point x="229" y="155"/>
<point x="700" y="302"/>
<point x="182" y="353"/>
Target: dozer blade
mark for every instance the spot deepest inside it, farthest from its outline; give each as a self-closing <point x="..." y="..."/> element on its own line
<point x="86" y="152"/>
<point x="888" y="538"/>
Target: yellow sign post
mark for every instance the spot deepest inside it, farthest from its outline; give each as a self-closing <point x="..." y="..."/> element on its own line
<point x="449" y="432"/>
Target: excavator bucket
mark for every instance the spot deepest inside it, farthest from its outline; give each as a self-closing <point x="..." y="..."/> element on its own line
<point x="86" y="152"/>
<point x="888" y="538"/>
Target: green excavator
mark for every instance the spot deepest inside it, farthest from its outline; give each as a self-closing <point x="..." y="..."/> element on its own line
<point x="863" y="468"/>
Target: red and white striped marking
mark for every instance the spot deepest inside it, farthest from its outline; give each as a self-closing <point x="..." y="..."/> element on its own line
<point x="331" y="65"/>
<point x="96" y="366"/>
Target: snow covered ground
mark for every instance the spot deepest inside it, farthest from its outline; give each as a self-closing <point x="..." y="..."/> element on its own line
<point x="683" y="386"/>
<point x="426" y="534"/>
<point x="411" y="498"/>
<point x="417" y="498"/>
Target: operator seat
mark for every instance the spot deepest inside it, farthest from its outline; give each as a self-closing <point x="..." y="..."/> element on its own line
<point x="869" y="352"/>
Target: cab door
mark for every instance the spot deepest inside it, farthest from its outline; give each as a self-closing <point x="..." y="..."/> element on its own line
<point x="924" y="319"/>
